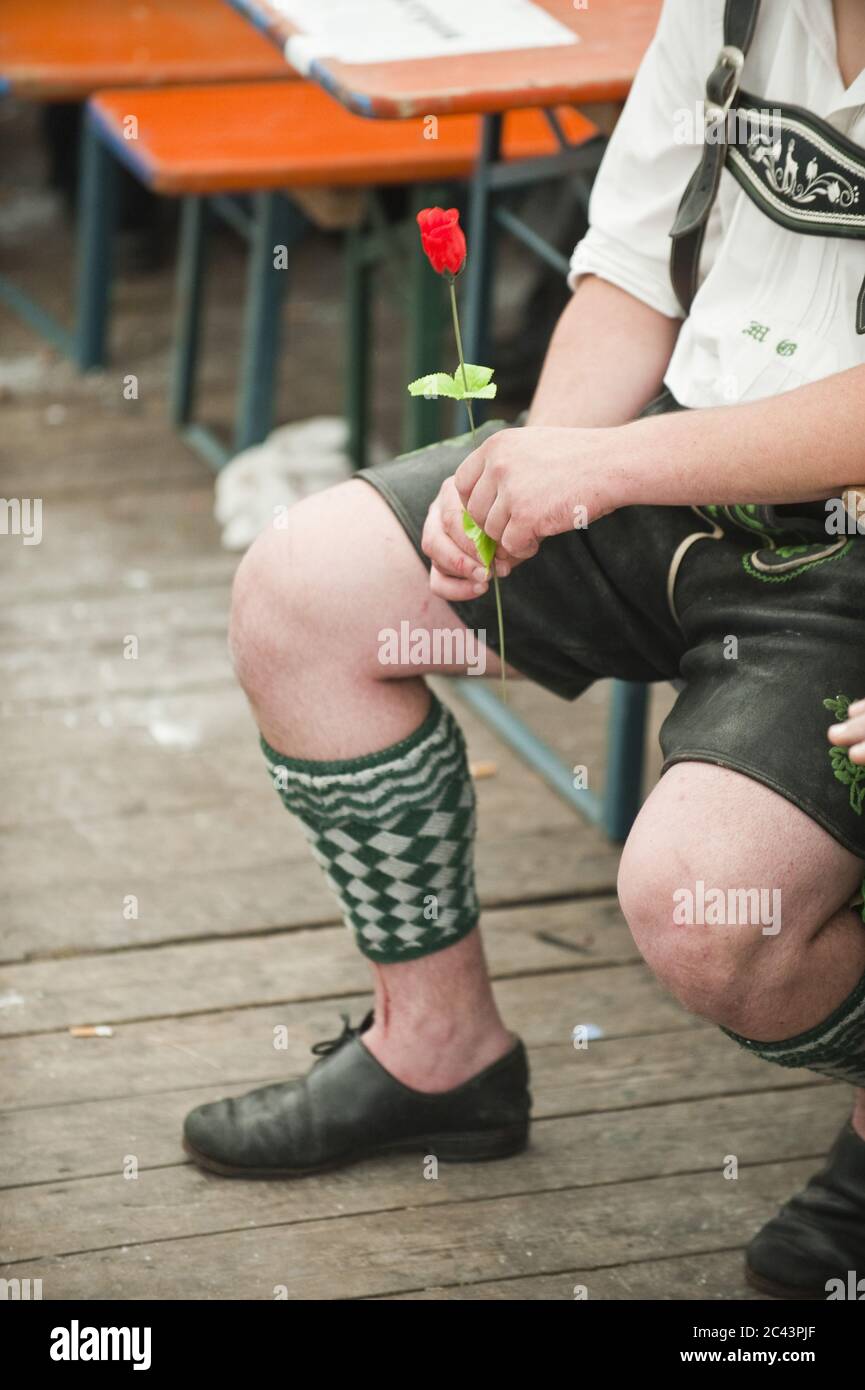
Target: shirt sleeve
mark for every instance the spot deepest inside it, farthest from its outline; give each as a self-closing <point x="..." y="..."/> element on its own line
<point x="649" y="159"/>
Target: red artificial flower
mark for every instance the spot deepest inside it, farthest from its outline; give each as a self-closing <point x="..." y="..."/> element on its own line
<point x="442" y="239"/>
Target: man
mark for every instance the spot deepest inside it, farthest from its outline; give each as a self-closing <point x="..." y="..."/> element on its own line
<point x="704" y="523"/>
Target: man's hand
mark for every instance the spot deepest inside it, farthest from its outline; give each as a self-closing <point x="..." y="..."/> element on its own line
<point x="457" y="572"/>
<point x="851" y="734"/>
<point x="523" y="485"/>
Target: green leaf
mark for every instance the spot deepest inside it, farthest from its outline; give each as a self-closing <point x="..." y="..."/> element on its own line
<point x="440" y="384"/>
<point x="477" y="383"/>
<point x="476" y="377"/>
<point x="484" y="544"/>
<point x="435" y="385"/>
<point x="486" y="393"/>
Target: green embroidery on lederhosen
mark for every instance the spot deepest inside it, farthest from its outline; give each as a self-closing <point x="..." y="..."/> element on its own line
<point x="749" y="517"/>
<point x="787" y="552"/>
<point x="745" y="516"/>
<point x="851" y="774"/>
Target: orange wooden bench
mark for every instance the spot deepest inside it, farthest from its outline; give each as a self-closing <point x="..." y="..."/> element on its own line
<point x="63" y="50"/>
<point x="205" y="143"/>
<point x="225" y="138"/>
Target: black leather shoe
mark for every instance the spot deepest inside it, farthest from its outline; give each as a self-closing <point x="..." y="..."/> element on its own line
<point x="348" y="1107"/>
<point x="819" y="1235"/>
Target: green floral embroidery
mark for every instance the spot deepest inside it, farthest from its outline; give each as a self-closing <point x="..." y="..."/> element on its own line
<point x="787" y="552"/>
<point x="749" y="517"/>
<point x="839" y="706"/>
<point x="847" y="772"/>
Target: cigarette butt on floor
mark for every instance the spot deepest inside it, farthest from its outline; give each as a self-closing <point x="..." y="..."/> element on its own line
<point x="481" y="770"/>
<point x="92" y="1030"/>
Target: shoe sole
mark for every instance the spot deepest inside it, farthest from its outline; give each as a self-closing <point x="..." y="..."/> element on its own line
<point x="785" y="1291"/>
<point x="482" y="1147"/>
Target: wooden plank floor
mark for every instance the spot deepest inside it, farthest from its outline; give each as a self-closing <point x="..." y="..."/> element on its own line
<point x="143" y="779"/>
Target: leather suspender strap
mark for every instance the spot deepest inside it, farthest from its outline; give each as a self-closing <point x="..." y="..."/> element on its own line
<point x="689" y="228"/>
<point x="740" y="21"/>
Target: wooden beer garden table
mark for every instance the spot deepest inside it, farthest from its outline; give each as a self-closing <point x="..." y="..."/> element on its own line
<point x="63" y="50"/>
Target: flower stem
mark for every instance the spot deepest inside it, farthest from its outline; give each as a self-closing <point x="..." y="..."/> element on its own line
<point x="496" y="590"/>
<point x="459" y="338"/>
<point x="498" y="593"/>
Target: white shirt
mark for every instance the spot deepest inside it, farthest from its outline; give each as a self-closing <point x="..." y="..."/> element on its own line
<point x="802" y="288"/>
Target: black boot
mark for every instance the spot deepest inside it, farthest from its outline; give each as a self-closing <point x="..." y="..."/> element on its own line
<point x="348" y="1107"/>
<point x="819" y="1235"/>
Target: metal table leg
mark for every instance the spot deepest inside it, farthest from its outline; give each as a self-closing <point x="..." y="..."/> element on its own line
<point x="358" y="347"/>
<point x="97" y="213"/>
<point x="191" y="266"/>
<point x="477" y="290"/>
<point x="626" y="751"/>
<point x="277" y="222"/>
<point x="274" y="222"/>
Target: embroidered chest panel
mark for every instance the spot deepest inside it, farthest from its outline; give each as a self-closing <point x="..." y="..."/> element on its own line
<point x="797" y="168"/>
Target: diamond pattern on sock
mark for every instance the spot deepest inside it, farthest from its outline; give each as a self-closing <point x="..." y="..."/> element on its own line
<point x="394" y="833"/>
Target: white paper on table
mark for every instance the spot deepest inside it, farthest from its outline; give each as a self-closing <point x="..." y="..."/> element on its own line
<point x="383" y="31"/>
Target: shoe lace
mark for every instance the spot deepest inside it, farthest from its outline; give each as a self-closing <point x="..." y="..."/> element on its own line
<point x="328" y="1046"/>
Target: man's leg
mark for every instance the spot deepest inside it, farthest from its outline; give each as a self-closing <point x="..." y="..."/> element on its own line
<point x="795" y="995"/>
<point x="309" y="604"/>
<point x="375" y="768"/>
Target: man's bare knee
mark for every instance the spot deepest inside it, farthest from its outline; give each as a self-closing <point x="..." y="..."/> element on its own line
<point x="712" y="942"/>
<point x="726" y="887"/>
<point x="280" y="595"/>
<point x="314" y="591"/>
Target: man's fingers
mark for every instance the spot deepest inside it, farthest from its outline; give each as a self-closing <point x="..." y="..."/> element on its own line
<point x="453" y="554"/>
<point x="519" y="541"/>
<point x="445" y="586"/>
<point x="851" y="734"/>
<point x="468" y="473"/>
<point x="497" y="519"/>
<point x="851" y="731"/>
<point x="452" y="524"/>
<point x="449" y="559"/>
<point x="482" y="500"/>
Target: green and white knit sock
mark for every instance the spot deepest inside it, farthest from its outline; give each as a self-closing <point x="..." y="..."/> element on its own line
<point x="394" y="833"/>
<point x="834" y="1048"/>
